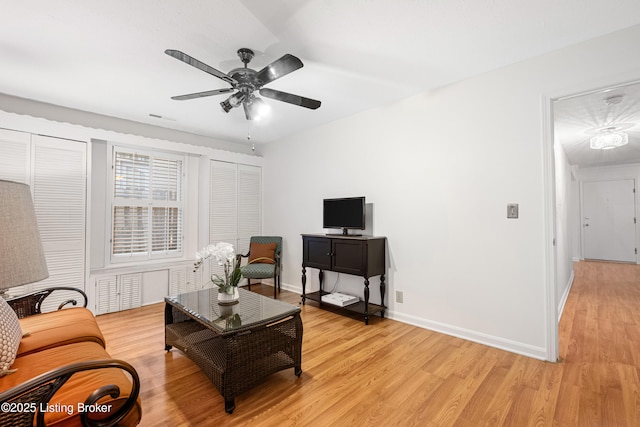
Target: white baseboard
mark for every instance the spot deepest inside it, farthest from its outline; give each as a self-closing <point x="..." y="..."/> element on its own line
<point x="291" y="288"/>
<point x="474" y="336"/>
<point x="467" y="334"/>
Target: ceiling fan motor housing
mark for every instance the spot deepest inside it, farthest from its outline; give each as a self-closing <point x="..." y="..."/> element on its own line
<point x="245" y="79"/>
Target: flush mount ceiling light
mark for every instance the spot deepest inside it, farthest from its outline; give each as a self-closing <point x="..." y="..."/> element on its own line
<point x="610" y="135"/>
<point x="608" y="139"/>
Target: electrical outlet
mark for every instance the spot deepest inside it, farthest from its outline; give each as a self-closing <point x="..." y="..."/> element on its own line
<point x="512" y="210"/>
<point x="399" y="296"/>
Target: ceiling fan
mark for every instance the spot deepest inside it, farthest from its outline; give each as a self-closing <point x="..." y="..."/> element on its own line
<point x="244" y="82"/>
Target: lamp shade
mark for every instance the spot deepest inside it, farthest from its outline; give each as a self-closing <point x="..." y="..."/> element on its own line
<point x="22" y="257"/>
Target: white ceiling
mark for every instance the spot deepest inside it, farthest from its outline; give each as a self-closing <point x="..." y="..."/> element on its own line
<point x="108" y="57"/>
<point x="576" y="118"/>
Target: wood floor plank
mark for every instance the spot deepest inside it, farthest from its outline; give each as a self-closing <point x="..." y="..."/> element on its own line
<point x="390" y="373"/>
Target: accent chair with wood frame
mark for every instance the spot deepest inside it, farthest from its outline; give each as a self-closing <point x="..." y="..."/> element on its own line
<point x="264" y="260"/>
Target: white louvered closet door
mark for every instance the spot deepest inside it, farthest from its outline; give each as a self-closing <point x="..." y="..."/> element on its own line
<point x="236" y="206"/>
<point x="177" y="281"/>
<point x="182" y="280"/>
<point x="223" y="210"/>
<point x="56" y="171"/>
<point x="15" y="154"/>
<point x="130" y="289"/>
<point x="249" y="205"/>
<point x="106" y="295"/>
<point x="59" y="193"/>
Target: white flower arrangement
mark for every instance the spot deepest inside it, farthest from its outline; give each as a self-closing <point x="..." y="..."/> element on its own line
<point x="221" y="251"/>
<point x="224" y="255"/>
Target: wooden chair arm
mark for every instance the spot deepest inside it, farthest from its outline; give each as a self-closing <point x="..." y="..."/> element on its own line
<point x="31" y="303"/>
<point x="38" y="391"/>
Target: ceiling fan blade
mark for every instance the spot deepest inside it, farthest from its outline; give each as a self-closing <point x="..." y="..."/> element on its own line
<point x="290" y="98"/>
<point x="278" y="68"/>
<point x="200" y="65"/>
<point x="202" y="94"/>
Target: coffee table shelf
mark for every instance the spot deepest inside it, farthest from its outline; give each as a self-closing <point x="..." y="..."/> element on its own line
<point x="235" y="347"/>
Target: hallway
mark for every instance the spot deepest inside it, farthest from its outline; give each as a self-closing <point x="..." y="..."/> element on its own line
<point x="600" y="343"/>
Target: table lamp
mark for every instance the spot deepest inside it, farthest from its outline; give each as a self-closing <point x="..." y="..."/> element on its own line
<point x="22" y="259"/>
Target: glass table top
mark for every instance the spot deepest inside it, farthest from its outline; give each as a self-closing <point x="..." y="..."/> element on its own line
<point x="252" y="309"/>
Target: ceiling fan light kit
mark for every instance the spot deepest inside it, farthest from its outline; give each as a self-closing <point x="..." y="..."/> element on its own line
<point x="233" y="101"/>
<point x="245" y="81"/>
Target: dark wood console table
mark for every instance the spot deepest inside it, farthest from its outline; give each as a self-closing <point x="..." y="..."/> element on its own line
<point x="363" y="256"/>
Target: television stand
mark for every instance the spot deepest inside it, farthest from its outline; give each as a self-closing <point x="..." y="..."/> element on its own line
<point x="363" y="256"/>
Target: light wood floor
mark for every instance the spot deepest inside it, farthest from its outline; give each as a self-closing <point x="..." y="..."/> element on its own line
<point x="393" y="374"/>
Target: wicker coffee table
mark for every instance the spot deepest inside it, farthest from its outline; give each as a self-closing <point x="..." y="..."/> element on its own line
<point x="236" y="346"/>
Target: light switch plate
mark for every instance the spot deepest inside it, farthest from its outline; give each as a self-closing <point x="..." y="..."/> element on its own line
<point x="512" y="210"/>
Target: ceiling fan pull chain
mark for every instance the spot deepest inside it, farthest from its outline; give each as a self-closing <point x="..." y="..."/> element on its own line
<point x="253" y="145"/>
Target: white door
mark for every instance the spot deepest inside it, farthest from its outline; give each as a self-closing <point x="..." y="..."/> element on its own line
<point x="608" y="226"/>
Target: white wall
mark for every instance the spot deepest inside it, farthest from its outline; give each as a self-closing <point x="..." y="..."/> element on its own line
<point x="440" y="169"/>
<point x="564" y="181"/>
<point x="576" y="220"/>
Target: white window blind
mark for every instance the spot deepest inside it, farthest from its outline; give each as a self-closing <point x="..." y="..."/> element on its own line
<point x="147" y="205"/>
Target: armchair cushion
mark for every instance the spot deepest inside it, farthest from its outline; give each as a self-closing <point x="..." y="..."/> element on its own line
<point x="263" y="253"/>
<point x="10" y="336"/>
<point x="258" y="271"/>
<point x="59" y="328"/>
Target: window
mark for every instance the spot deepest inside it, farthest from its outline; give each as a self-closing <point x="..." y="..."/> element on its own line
<point x="147" y="205"/>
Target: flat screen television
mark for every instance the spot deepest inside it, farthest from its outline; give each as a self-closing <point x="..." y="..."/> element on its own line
<point x="345" y="213"/>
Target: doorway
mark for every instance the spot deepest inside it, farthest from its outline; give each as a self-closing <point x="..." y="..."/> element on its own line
<point x="572" y="159"/>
